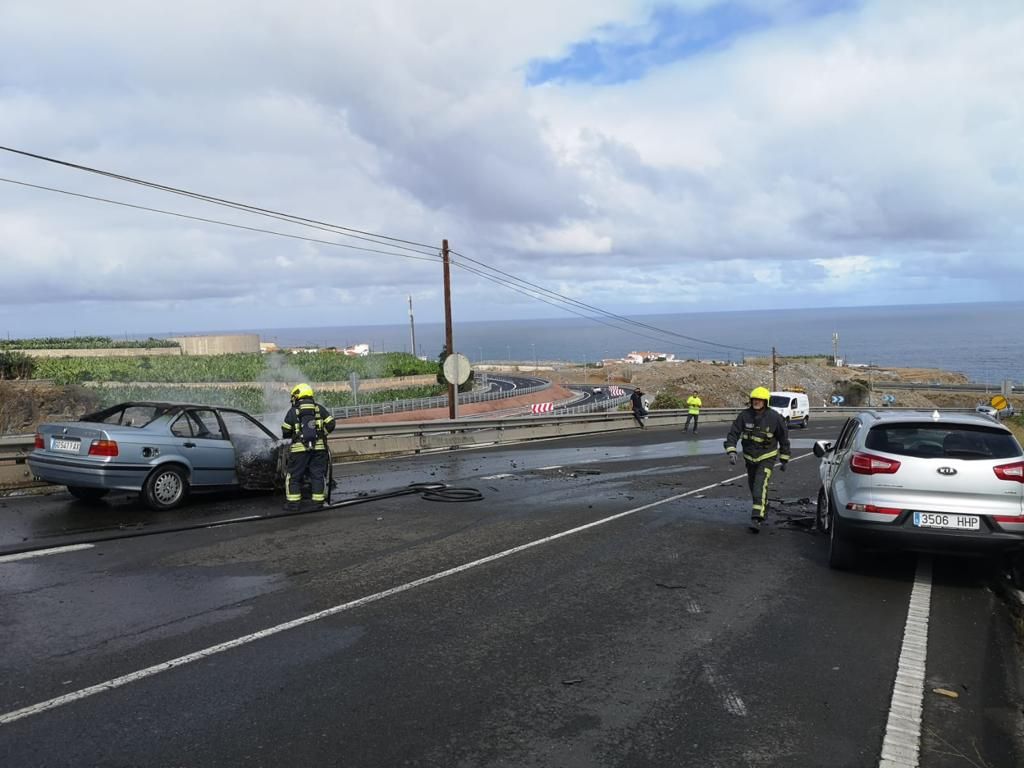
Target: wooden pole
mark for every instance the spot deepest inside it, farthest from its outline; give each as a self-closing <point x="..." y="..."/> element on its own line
<point x="453" y="393"/>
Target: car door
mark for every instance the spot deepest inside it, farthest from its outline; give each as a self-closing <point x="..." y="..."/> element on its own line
<point x="830" y="461"/>
<point x="201" y="440"/>
<point x="840" y="457"/>
<point x="256" y="450"/>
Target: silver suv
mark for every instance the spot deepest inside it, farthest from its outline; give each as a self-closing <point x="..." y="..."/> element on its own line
<point x="919" y="481"/>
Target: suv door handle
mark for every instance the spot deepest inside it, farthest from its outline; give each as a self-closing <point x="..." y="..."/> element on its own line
<point x="189" y="445"/>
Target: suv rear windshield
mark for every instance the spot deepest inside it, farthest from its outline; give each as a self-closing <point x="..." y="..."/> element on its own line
<point x="942" y="441"/>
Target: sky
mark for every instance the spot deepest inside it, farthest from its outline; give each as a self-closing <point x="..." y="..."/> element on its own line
<point x="633" y="156"/>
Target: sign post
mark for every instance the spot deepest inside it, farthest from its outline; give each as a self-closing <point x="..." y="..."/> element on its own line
<point x="456" y="370"/>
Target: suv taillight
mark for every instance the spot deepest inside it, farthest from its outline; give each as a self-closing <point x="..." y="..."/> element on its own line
<point x="869" y="464"/>
<point x="103" y="448"/>
<point x="39" y="441"/>
<point x="1013" y="472"/>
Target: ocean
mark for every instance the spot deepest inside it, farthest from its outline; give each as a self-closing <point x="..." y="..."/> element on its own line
<point x="982" y="340"/>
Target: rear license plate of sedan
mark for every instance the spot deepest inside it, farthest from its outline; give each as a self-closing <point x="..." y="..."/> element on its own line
<point x="953" y="522"/>
<point x="66" y="446"/>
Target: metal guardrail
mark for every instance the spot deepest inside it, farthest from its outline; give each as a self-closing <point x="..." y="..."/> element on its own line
<point x="439" y="401"/>
<point x="355" y="441"/>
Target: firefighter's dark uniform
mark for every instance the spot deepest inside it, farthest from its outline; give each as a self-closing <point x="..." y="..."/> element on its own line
<point x="764" y="438"/>
<point x="307" y="460"/>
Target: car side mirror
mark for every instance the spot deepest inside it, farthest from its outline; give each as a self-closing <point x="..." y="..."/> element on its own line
<point x="821" y="447"/>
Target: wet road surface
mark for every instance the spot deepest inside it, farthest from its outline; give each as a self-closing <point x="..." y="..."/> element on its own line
<point x="603" y="605"/>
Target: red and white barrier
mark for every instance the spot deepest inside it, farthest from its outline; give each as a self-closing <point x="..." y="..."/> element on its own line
<point x="615" y="391"/>
<point x="542" y="408"/>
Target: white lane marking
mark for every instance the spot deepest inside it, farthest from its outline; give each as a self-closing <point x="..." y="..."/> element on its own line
<point x="44" y="552"/>
<point x="118" y="682"/>
<point x="497" y="477"/>
<point x="553" y="466"/>
<point x="730" y="699"/>
<point x="902" y="743"/>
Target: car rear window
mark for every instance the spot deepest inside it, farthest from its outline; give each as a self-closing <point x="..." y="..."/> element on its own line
<point x="127" y="415"/>
<point x="778" y="401"/>
<point x="942" y="441"/>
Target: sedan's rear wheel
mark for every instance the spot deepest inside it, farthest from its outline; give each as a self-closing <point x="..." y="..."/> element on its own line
<point x="165" y="488"/>
<point x="87" y="494"/>
<point x="842" y="553"/>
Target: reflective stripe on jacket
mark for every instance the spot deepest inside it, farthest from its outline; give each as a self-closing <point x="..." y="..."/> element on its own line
<point x="291" y="429"/>
<point x="762" y="435"/>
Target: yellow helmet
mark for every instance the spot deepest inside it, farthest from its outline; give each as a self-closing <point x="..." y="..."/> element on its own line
<point x="760" y="393"/>
<point x="300" y="391"/>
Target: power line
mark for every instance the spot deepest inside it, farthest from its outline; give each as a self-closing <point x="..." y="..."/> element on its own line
<point x="621" y="318"/>
<point x="344" y="231"/>
<point x="525" y="292"/>
<point x="358" y="233"/>
<point x="433" y="259"/>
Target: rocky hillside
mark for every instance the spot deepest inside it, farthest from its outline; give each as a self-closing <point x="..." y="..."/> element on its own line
<point x="23" y="405"/>
<point x="728" y="386"/>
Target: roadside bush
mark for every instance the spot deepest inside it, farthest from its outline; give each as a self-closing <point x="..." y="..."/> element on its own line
<point x="666" y="401"/>
<point x="16" y="365"/>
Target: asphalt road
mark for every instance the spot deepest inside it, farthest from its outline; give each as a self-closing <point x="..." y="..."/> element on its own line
<point x="604" y="605"/>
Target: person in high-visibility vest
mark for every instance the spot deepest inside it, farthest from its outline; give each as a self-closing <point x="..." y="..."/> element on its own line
<point x="693" y="405"/>
<point x="764" y="438"/>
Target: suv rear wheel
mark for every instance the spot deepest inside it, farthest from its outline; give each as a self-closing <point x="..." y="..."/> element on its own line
<point x="842" y="553"/>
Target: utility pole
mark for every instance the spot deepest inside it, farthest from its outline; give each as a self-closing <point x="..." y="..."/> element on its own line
<point x="453" y="390"/>
<point x="835" y="348"/>
<point x="774" y="383"/>
<point x="412" y="329"/>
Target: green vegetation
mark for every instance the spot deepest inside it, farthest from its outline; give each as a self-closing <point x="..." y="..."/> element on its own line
<point x="83" y="342"/>
<point x="249" y="398"/>
<point x="191" y="369"/>
<point x="16" y="365"/>
<point x="330" y="366"/>
<point x="1016" y="425"/>
<point x="666" y="401"/>
<point x="342" y="399"/>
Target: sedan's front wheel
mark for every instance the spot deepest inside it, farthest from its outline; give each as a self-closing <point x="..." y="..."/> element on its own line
<point x="165" y="488"/>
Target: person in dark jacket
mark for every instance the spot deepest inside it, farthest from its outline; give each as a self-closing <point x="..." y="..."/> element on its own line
<point x="307" y="425"/>
<point x="639" y="411"/>
<point x="764" y="438"/>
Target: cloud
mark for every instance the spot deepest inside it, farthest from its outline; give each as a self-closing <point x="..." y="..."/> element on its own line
<point x="800" y="149"/>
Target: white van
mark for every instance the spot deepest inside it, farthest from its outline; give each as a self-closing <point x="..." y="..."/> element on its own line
<point x="794" y="407"/>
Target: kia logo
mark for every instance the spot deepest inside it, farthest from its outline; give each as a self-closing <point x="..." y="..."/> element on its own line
<point x="946" y="471"/>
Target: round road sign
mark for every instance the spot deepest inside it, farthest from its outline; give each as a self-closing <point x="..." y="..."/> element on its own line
<point x="456" y="369"/>
<point x="998" y="402"/>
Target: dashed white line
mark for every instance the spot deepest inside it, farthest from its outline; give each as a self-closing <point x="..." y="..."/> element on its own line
<point x="156" y="669"/>
<point x="730" y="699"/>
<point x="497" y="477"/>
<point x="902" y="743"/>
<point x="43" y="552"/>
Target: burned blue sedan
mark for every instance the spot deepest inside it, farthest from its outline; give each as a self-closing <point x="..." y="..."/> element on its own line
<point x="159" y="450"/>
